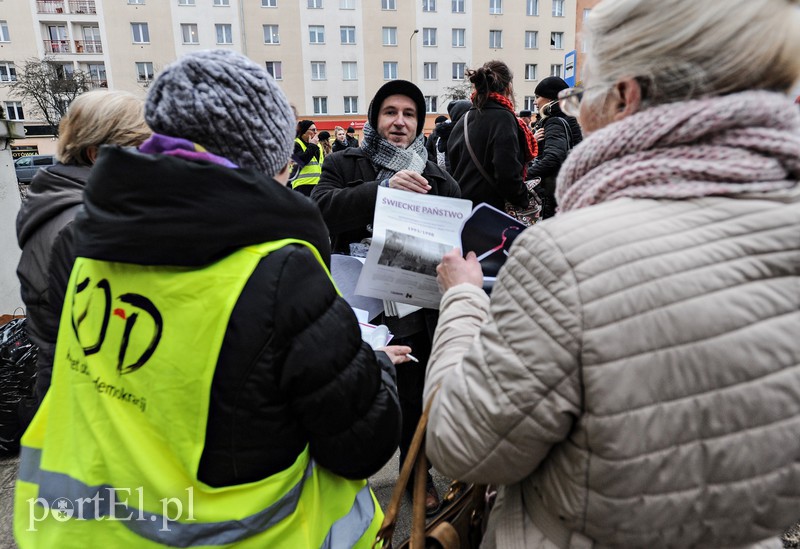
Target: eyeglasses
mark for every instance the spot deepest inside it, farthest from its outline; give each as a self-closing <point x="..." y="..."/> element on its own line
<point x="570" y="99"/>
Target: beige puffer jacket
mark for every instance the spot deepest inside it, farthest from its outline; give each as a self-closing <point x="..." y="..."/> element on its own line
<point x="636" y="378"/>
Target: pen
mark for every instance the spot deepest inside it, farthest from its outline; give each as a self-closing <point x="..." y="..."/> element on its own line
<point x="412" y="357"/>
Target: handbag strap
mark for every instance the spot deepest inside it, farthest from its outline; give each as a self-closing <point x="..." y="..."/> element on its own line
<point x="471" y="152"/>
<point x="568" y="132"/>
<point x="414" y="457"/>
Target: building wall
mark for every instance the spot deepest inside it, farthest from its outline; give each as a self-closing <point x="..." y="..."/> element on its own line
<point x="583" y="9"/>
<point x="28" y="22"/>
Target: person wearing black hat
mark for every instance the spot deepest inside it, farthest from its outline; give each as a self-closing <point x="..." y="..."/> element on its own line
<point x="525" y="116"/>
<point x="324" y="142"/>
<point x="307" y="157"/>
<point x="392" y="154"/>
<point x="352" y="140"/>
<point x="430" y="145"/>
<point x="557" y="135"/>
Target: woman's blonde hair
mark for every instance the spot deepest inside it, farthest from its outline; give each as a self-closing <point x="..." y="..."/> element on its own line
<point x="100" y="118"/>
<point x="683" y="49"/>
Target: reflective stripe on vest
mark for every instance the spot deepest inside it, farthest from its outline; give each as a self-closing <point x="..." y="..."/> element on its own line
<point x="116" y="466"/>
<point x="310" y="173"/>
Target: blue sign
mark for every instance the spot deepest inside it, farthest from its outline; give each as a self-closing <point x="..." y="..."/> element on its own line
<point x="569" y="68"/>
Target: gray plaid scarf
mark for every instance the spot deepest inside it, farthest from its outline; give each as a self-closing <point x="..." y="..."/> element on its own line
<point x="388" y="159"/>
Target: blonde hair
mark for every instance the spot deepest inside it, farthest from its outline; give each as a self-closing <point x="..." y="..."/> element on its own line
<point x="683" y="49"/>
<point x="100" y="118"/>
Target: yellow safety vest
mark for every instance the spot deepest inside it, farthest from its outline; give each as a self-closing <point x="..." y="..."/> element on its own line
<point x="310" y="173"/>
<point x="111" y="457"/>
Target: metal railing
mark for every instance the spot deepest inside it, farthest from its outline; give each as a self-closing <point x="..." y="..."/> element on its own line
<point x="57" y="46"/>
<point x="95" y="83"/>
<point x="82" y="6"/>
<point x="50" y="6"/>
<point x="88" y="46"/>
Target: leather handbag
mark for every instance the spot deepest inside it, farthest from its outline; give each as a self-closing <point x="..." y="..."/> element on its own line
<point x="528" y="214"/>
<point x="460" y="522"/>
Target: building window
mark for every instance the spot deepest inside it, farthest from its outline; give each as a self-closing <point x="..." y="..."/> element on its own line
<point x="555" y="70"/>
<point x="457" y="6"/>
<point x="271" y="35"/>
<point x="137" y="2"/>
<point x="530" y="71"/>
<point x="557" y="40"/>
<point x="430" y="71"/>
<point x="429" y="37"/>
<point x="431" y="103"/>
<point x="348" y="35"/>
<point x="269" y="3"/>
<point x="224" y="34"/>
<point x="495" y="39"/>
<point x="316" y="34"/>
<point x="97" y="74"/>
<point x="318" y="70"/>
<point x="390" y="70"/>
<point x="350" y="104"/>
<point x="459" y="38"/>
<point x="189" y="33"/>
<point x="530" y="103"/>
<point x="495" y="7"/>
<point x="388" y="4"/>
<point x="349" y="70"/>
<point x="558" y="8"/>
<point x="428" y="5"/>
<point x="275" y="69"/>
<point x="141" y="34"/>
<point x="315" y="4"/>
<point x="186" y="2"/>
<point x="8" y="72"/>
<point x="458" y="71"/>
<point x="14" y="110"/>
<point x="222" y="2"/>
<point x="347" y="4"/>
<point x="389" y="36"/>
<point x="532" y="7"/>
<point x="531" y="40"/>
<point x="320" y="105"/>
<point x="144" y="71"/>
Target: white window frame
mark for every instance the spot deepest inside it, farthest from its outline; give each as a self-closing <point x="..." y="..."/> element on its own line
<point x="558" y="8"/>
<point x="556" y="69"/>
<point x="347" y="34"/>
<point x="347" y="4"/>
<point x="350" y="104"/>
<point x="145" y="72"/>
<point x="389" y="5"/>
<point x="493" y="34"/>
<point x="226" y="35"/>
<point x="320" y="104"/>
<point x="495" y="7"/>
<point x="314" y="4"/>
<point x="459" y="38"/>
<point x="8" y="71"/>
<point x="269" y="3"/>
<point x="390" y="70"/>
<point x="222" y="3"/>
<point x="429" y="37"/>
<point x="274" y="34"/>
<point x="316" y="34"/>
<point x="319" y="70"/>
<point x="556" y="40"/>
<point x="143" y="34"/>
<point x="532" y="8"/>
<point x="458" y="6"/>
<point x="530" y="103"/>
<point x="531" y="40"/>
<point x="431" y="103"/>
<point x="14" y="110"/>
<point x="459" y="71"/>
<point x="531" y="70"/>
<point x="275" y="68"/>
<point x="136" y="2"/>
<point x="429" y="5"/>
<point x="186" y="32"/>
<point x="349" y="70"/>
<point x="430" y="70"/>
<point x="186" y="3"/>
<point x="389" y="36"/>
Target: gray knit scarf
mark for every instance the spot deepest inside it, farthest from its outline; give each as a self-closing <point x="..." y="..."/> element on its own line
<point x="388" y="159"/>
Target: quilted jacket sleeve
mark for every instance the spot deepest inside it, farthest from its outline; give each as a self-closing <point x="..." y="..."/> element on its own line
<point x="508" y="369"/>
<point x="342" y="393"/>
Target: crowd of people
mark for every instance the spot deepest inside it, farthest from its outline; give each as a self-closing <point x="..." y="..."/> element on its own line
<point x="632" y="381"/>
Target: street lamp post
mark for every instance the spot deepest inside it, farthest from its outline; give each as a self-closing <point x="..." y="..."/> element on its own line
<point x="410" y="55"/>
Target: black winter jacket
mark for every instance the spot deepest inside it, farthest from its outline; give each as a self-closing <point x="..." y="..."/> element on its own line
<point x="292" y="369"/>
<point x="498" y="143"/>
<point x="347" y="191"/>
<point x="557" y="143"/>
<point x="54" y="197"/>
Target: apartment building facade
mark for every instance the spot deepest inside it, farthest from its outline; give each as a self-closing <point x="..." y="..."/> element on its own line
<point x="330" y="56"/>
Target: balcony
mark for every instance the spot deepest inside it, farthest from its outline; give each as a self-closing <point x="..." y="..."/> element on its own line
<point x="57" y="46"/>
<point x="88" y="46"/>
<point x="82" y="6"/>
<point x="97" y="83"/>
<point x="50" y="6"/>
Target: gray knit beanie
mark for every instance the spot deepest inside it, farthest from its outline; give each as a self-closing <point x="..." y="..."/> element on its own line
<point x="223" y="101"/>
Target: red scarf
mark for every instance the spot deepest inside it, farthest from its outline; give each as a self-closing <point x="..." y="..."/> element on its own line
<point x="532" y="148"/>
